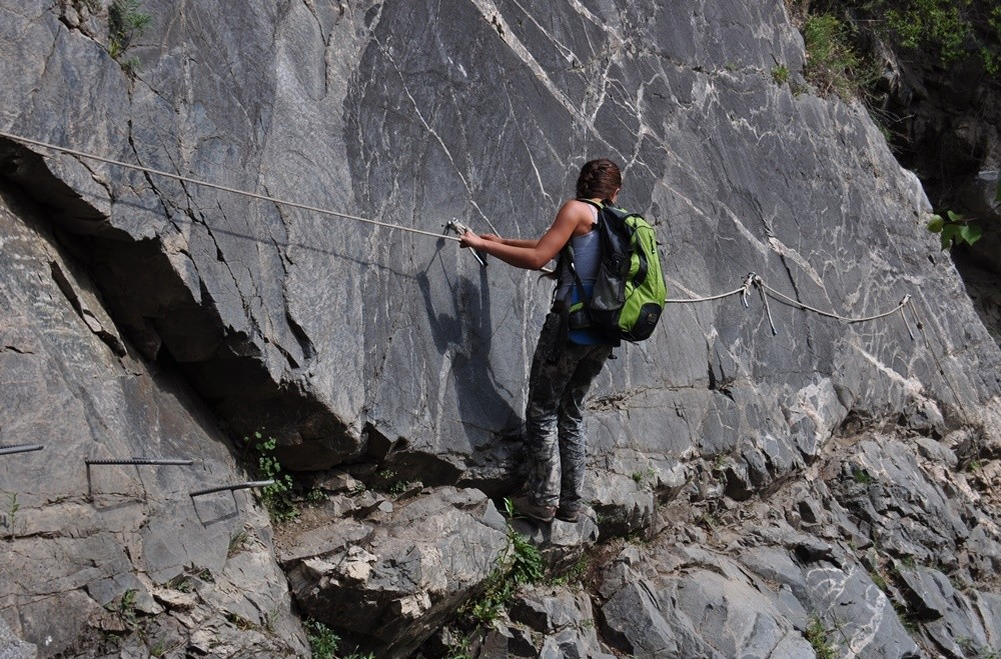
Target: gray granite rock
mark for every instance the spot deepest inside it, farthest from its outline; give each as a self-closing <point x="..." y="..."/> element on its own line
<point x="11" y="647"/>
<point x="390" y="589"/>
<point x="562" y="620"/>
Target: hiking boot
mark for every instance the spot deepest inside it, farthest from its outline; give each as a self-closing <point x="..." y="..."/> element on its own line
<point x="529" y="508"/>
<point x="569" y="515"/>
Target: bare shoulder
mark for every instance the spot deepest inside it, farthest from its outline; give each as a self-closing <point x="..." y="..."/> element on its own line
<point x="578" y="213"/>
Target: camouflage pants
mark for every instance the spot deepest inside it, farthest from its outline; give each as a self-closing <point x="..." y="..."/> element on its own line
<point x="554" y="436"/>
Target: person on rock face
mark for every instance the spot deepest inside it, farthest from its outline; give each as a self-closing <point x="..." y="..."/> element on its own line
<point x="566" y="360"/>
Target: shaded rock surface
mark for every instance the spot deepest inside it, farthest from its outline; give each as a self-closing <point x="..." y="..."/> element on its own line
<point x="784" y="481"/>
<point x="87" y="547"/>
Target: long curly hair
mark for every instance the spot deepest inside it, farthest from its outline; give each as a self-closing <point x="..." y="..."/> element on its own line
<point x="599" y="179"/>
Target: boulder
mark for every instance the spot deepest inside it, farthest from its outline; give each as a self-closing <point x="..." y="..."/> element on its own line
<point x="388" y="590"/>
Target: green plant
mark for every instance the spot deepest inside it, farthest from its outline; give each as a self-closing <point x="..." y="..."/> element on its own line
<point x="316" y="495"/>
<point x="951" y="29"/>
<point x="780" y="74"/>
<point x="641" y="476"/>
<point x="519" y="563"/>
<point x="385" y="475"/>
<point x="879" y="580"/>
<point x="861" y="475"/>
<point x="125" y="609"/>
<point x="574" y="574"/>
<point x="11" y="517"/>
<point x="130" y="65"/>
<point x="401" y="487"/>
<point x="955" y="229"/>
<point x="181" y="583"/>
<point x="125" y="23"/>
<point x="832" y="64"/>
<point x="236" y="543"/>
<point x="817" y="635"/>
<point x="277" y="496"/>
<point x="527" y="565"/>
<point x="322" y="640"/>
<point x="239" y="622"/>
<point x="459" y="649"/>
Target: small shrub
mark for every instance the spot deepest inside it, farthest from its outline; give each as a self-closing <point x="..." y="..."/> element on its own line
<point x="780" y="74"/>
<point x="322" y="640"/>
<point x="816" y="633"/>
<point x="11" y="518"/>
<point x="950" y="29"/>
<point x="277" y="497"/>
<point x="832" y="65"/>
<point x="125" y="23"/>
<point x="316" y="495"/>
<point x="527" y="565"/>
<point x="125" y="609"/>
<point x="519" y="563"/>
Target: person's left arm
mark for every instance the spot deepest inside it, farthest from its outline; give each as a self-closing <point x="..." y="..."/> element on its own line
<point x="525" y="254"/>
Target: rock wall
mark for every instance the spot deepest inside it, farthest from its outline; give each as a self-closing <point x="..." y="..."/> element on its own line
<point x="90" y="551"/>
<point x="165" y="317"/>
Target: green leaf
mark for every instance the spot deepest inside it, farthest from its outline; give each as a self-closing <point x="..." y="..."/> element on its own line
<point x="949" y="232"/>
<point x="997" y="194"/>
<point x="971" y="233"/>
<point x="936" y="223"/>
<point x="955" y="217"/>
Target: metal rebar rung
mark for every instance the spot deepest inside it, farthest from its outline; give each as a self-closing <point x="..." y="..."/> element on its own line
<point x="237" y="486"/>
<point x="19" y="448"/>
<point x="141" y="461"/>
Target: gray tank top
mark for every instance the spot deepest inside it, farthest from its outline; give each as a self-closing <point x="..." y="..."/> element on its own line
<point x="586" y="257"/>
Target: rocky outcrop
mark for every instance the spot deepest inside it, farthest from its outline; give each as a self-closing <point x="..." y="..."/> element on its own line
<point x="158" y="317"/>
<point x="396" y="580"/>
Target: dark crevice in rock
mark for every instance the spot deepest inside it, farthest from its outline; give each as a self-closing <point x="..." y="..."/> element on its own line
<point x="94" y="324"/>
<point x="983" y="285"/>
<point x="943" y="123"/>
<point x="427" y="468"/>
<point x="170" y="322"/>
<point x="305" y="344"/>
<point x="69" y="211"/>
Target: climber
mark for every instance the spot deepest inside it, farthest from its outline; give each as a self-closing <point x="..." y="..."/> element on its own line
<point x="566" y="361"/>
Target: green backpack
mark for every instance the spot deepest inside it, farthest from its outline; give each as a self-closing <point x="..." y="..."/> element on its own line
<point x="629" y="291"/>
